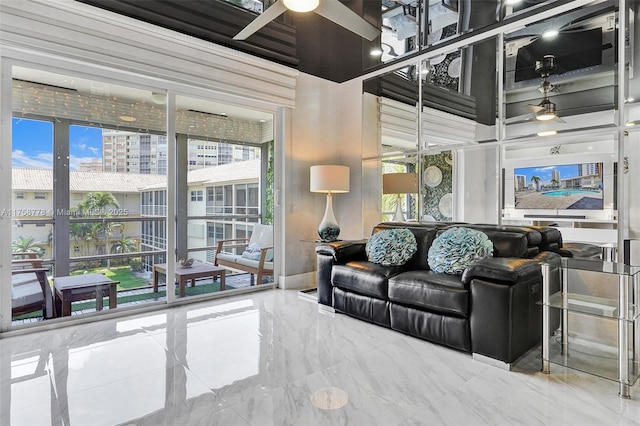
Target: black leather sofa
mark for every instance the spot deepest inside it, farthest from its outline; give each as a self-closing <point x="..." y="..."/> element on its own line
<point x="490" y="310"/>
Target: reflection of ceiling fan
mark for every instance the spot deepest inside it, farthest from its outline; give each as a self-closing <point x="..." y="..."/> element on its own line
<point x="546" y="110"/>
<point x="333" y="10"/>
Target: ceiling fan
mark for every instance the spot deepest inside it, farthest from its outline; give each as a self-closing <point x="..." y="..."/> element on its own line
<point x="333" y="10"/>
<point x="545" y="110"/>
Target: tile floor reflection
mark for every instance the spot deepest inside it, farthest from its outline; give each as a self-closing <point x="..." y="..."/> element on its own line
<point x="272" y="358"/>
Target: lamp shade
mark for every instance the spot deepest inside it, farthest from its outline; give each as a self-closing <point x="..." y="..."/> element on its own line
<point x="399" y="183"/>
<point x="329" y="178"/>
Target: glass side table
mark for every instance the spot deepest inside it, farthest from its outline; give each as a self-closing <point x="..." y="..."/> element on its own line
<point x="590" y="319"/>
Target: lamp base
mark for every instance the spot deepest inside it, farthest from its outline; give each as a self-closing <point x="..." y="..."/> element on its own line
<point x="399" y="216"/>
<point x="328" y="230"/>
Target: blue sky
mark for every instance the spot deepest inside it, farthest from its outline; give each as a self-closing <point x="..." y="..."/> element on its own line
<point x="33" y="144"/>
<point x="544" y="173"/>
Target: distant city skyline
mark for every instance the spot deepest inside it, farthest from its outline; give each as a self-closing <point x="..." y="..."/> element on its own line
<point x="32" y="144"/>
<point x="545" y="173"/>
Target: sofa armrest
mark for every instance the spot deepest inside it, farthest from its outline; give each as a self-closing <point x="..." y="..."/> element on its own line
<point x="508" y="269"/>
<point x="506" y="319"/>
<point x="327" y="255"/>
<point x="343" y="251"/>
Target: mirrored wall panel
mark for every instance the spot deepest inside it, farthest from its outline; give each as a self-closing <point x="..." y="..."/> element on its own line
<point x="561" y="73"/>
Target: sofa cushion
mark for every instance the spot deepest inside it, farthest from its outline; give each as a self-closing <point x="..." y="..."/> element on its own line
<point x="364" y="277"/>
<point x="533" y="236"/>
<point x="457" y="248"/>
<point x="262" y="236"/>
<point x="391" y="247"/>
<point x="430" y="290"/>
<point x="253" y="251"/>
<point x="425" y="234"/>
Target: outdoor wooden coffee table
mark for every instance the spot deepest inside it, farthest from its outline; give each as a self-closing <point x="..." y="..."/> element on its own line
<point x="81" y="287"/>
<point x="195" y="271"/>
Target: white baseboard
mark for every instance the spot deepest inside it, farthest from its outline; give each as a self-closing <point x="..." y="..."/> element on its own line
<point x="298" y="281"/>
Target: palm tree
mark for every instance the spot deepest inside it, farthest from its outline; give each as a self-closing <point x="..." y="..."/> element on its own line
<point x="95" y="205"/>
<point x="26" y="245"/>
<point x="81" y="234"/>
<point x="555" y="183"/>
<point x="536" y="181"/>
<point x="125" y="245"/>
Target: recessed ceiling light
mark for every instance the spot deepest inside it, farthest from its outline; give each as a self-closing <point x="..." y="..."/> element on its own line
<point x="376" y="51"/>
<point x="127" y="118"/>
<point x="512" y="2"/>
<point x="629" y="99"/>
<point x="547" y="34"/>
<point x="548" y="133"/>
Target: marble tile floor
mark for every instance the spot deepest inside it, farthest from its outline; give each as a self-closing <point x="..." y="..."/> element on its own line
<point x="274" y="358"/>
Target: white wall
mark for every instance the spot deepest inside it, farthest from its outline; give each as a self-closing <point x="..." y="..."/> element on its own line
<point x="325" y="129"/>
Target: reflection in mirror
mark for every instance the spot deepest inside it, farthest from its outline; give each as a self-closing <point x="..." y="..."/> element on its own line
<point x="560" y="74"/>
<point x="443" y="18"/>
<point x="459" y="92"/>
<point x="437" y="187"/>
<point x="400" y="28"/>
<point x="632" y="96"/>
<point x="564" y="175"/>
<point x="390" y="106"/>
<point x="514" y="8"/>
<point x="399" y="192"/>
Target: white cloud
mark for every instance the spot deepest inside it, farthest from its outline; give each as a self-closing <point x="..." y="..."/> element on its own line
<point x="94" y="150"/>
<point x="39" y="161"/>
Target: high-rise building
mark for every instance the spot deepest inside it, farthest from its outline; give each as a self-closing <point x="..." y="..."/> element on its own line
<point x="590" y="169"/>
<point x="555" y="175"/>
<point x="131" y="152"/>
<point x="95" y="165"/>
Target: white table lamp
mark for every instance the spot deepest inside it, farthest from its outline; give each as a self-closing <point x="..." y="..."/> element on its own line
<point x="330" y="180"/>
<point x="399" y="183"/>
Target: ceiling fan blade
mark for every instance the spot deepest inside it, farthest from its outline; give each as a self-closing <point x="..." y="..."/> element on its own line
<point x="337" y="12"/>
<point x="519" y="119"/>
<point x="276" y="9"/>
<point x="559" y="120"/>
<point x="534" y="108"/>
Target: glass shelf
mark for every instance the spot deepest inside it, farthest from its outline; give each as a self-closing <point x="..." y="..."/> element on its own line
<point x="591" y="315"/>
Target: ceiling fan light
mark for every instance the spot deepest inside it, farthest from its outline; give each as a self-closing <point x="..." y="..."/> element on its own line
<point x="548" y="111"/>
<point x="301" y="5"/>
<point x="548" y="34"/>
<point x="545" y="116"/>
<point x="548" y="133"/>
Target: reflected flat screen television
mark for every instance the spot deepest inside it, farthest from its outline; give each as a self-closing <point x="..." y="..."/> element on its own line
<point x="559" y="187"/>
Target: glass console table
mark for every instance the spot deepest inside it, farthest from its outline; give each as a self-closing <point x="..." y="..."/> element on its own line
<point x="591" y="319"/>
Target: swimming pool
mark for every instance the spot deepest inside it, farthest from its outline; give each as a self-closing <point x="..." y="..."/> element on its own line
<point x="567" y="192"/>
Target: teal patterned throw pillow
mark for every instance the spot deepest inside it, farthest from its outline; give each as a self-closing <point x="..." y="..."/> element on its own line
<point x="391" y="247"/>
<point x="457" y="248"/>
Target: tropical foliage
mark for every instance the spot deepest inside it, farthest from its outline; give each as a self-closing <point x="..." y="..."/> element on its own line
<point x="26" y="245"/>
<point x="95" y="205"/>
